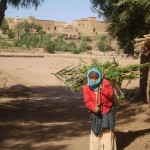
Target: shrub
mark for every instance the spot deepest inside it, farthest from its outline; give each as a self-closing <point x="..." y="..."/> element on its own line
<point x="16" y="43"/>
<point x="61" y="36"/>
<point x="10" y="34"/>
<point x="104" y="43"/>
<point x="34" y="40"/>
<point x="45" y="40"/>
<point x="64" y="47"/>
<point x="49" y="48"/>
<point x="89" y="47"/>
<point x="86" y="38"/>
<point x="4" y="44"/>
<point x="74" y="50"/>
<point x="61" y="47"/>
<point x="83" y="46"/>
<point x="72" y="44"/>
<point x="29" y="40"/>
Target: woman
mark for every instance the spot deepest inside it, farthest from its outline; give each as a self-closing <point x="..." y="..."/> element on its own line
<point x="98" y="98"/>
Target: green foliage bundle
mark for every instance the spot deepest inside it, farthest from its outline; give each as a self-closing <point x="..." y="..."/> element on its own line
<point x="75" y="78"/>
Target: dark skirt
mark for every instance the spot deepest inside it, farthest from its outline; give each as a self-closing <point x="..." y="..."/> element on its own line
<point x="99" y="122"/>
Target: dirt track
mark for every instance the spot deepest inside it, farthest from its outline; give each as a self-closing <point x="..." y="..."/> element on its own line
<point x="49" y="117"/>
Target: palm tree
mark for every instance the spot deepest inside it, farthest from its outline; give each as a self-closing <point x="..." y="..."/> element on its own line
<point x="17" y="3"/>
<point x="23" y="26"/>
<point x="18" y="29"/>
<point x="26" y="26"/>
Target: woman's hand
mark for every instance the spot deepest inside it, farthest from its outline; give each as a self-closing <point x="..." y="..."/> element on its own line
<point x="97" y="108"/>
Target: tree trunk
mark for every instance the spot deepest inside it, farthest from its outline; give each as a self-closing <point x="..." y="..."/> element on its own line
<point x="144" y="75"/>
<point x="3" y="7"/>
<point x="148" y="87"/>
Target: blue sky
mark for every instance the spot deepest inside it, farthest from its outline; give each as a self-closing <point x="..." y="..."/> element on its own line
<point x="59" y="10"/>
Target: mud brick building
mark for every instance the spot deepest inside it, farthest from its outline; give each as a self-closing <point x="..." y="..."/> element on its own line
<point x="86" y="26"/>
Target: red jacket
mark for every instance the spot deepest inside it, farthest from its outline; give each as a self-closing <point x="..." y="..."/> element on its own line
<point x="106" y="97"/>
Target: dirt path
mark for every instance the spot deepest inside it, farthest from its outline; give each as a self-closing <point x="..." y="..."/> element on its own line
<point x="50" y="117"/>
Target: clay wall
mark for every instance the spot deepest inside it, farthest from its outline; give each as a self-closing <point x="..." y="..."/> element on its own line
<point x="88" y="26"/>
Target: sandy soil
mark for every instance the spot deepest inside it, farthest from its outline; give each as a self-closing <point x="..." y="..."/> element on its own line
<point x="40" y="114"/>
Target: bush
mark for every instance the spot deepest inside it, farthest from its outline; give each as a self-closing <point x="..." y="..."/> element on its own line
<point x="4" y="44"/>
<point x="16" y="43"/>
<point x="83" y="46"/>
<point x="61" y="47"/>
<point x="64" y="47"/>
<point x="49" y="48"/>
<point x="34" y="40"/>
<point x="72" y="44"/>
<point x="104" y="43"/>
<point x="61" y="36"/>
<point x="74" y="50"/>
<point x="45" y="40"/>
<point x="10" y="34"/>
<point x="86" y="38"/>
<point x="89" y="47"/>
<point x="29" y="40"/>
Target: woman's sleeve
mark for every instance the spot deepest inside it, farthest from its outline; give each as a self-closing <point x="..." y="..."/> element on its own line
<point x="88" y="101"/>
<point x="108" y="90"/>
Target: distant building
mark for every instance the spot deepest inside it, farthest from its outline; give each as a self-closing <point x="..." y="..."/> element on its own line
<point x="86" y="26"/>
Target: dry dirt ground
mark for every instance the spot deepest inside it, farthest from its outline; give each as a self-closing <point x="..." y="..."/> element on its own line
<point x="38" y="113"/>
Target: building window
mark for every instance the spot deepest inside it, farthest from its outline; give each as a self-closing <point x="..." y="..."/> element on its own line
<point x="94" y="30"/>
<point x="55" y="28"/>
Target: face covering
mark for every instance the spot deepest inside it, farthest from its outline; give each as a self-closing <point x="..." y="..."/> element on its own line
<point x="94" y="85"/>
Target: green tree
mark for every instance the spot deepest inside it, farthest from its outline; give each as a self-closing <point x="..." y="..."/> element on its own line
<point x="37" y="27"/>
<point x="17" y="3"/>
<point x="26" y="26"/>
<point x="128" y="19"/>
<point x="4" y="26"/>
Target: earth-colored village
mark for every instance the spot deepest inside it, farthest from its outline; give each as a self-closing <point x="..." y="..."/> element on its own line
<point x="87" y="26"/>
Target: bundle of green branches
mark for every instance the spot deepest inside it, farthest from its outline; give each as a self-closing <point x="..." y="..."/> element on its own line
<point x="76" y="77"/>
